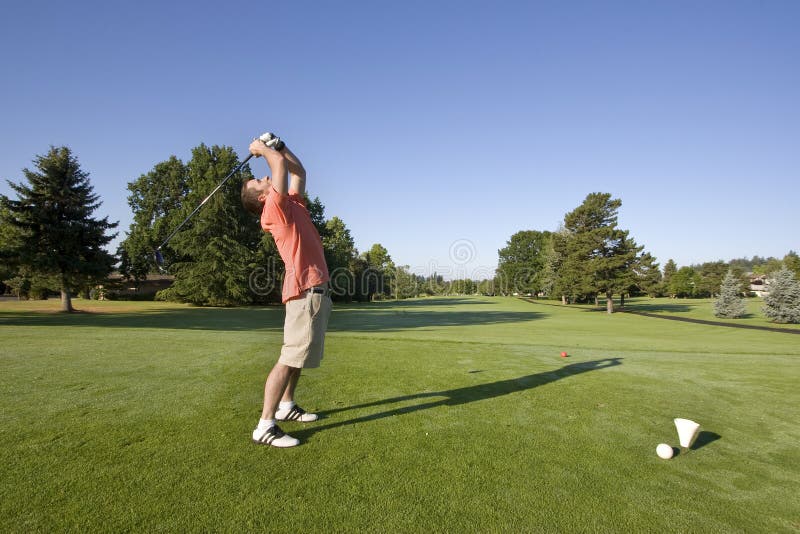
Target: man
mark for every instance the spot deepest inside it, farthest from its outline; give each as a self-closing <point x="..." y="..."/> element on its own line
<point x="279" y="202"/>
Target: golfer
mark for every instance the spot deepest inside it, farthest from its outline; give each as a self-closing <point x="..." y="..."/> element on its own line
<point x="279" y="201"/>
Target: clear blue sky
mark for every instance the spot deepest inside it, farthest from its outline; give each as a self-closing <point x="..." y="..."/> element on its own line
<point x="437" y="128"/>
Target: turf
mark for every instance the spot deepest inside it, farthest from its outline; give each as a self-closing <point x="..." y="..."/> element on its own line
<point x="439" y="415"/>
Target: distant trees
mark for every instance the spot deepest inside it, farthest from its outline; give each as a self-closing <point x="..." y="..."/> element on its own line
<point x="647" y="276"/>
<point x="766" y="266"/>
<point x="50" y="236"/>
<point x="792" y="262"/>
<point x="589" y="256"/>
<point x="522" y="262"/>
<point x="340" y="255"/>
<point x="782" y="302"/>
<point x="730" y="303"/>
<point x="670" y="268"/>
<point x="378" y="273"/>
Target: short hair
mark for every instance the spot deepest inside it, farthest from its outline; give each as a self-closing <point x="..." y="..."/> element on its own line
<point x="250" y="200"/>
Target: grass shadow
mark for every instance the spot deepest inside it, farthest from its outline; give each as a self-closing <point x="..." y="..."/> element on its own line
<point x="458" y="396"/>
<point x="659" y="308"/>
<point x="368" y="317"/>
<point x="704" y="438"/>
<point x="415" y="303"/>
<point x="225" y="319"/>
<point x="394" y="319"/>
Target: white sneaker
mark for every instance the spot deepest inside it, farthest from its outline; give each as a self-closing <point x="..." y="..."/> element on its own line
<point x="295" y="413"/>
<point x="274" y="436"/>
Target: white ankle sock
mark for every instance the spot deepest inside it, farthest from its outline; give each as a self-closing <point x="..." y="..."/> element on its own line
<point x="264" y="424"/>
<point x="286" y="405"/>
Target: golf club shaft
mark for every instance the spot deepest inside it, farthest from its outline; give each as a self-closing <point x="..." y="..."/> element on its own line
<point x="176" y="230"/>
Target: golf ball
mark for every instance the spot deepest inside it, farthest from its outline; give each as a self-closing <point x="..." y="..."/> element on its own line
<point x="563" y="354"/>
<point x="664" y="451"/>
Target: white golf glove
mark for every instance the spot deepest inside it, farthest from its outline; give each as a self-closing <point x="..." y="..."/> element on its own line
<point x="271" y="140"/>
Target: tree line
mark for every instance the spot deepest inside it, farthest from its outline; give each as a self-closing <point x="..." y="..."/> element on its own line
<point x="50" y="241"/>
<point x="223" y="257"/>
<point x="586" y="258"/>
<point x="589" y="257"/>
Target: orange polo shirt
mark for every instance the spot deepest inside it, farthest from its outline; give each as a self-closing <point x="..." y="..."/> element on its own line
<point x="299" y="244"/>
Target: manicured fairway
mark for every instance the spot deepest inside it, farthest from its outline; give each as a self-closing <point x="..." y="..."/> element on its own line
<point x="439" y="415"/>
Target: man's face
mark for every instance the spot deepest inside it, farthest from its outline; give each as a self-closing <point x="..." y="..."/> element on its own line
<point x="263" y="186"/>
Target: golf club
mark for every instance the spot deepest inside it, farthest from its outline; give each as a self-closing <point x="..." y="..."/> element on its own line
<point x="157" y="254"/>
<point x="159" y="258"/>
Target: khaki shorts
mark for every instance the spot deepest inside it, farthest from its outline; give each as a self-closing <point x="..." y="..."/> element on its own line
<point x="304" y="330"/>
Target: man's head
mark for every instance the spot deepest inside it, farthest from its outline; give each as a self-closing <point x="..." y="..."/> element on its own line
<point x="254" y="193"/>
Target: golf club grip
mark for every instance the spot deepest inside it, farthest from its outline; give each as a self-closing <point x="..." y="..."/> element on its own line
<point x="234" y="171"/>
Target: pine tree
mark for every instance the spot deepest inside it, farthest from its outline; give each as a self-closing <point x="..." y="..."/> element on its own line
<point x="216" y="252"/>
<point x="54" y="212"/>
<point x="648" y="275"/>
<point x="730" y="303"/>
<point x="670" y="268"/>
<point x="598" y="257"/>
<point x="782" y="302"/>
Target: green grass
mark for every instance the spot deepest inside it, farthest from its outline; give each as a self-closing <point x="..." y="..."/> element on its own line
<point x="440" y="415"/>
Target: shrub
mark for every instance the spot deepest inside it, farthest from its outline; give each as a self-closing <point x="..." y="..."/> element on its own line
<point x="730" y="303"/>
<point x="782" y="302"/>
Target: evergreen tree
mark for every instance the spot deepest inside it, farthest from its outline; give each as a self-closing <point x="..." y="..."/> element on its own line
<point x="730" y="303"/>
<point x="53" y="212"/>
<point x="11" y="238"/>
<point x="711" y="275"/>
<point x="598" y="256"/>
<point x="670" y="268"/>
<point x="647" y="275"/>
<point x="216" y="251"/>
<point x="782" y="302"/>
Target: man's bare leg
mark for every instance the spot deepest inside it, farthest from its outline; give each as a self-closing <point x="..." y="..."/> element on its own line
<point x="267" y="432"/>
<point x="276" y="386"/>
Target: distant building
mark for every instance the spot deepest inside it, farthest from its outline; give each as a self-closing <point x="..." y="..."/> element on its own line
<point x="146" y="288"/>
<point x="759" y="284"/>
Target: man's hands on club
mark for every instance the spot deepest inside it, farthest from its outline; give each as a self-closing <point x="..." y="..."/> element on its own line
<point x="265" y="144"/>
<point x="258" y="148"/>
<point x="272" y="140"/>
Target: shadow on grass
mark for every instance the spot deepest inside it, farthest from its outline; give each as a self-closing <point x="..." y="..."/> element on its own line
<point x="369" y="319"/>
<point x="713" y="323"/>
<point x="381" y="316"/>
<point x="226" y="319"/>
<point x="416" y="303"/>
<point x="638" y="309"/>
<point x="659" y="308"/>
<point x="703" y="438"/>
<point x="456" y="397"/>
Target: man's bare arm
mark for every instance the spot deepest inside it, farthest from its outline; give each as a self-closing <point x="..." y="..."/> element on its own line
<point x="278" y="165"/>
<point x="297" y="173"/>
